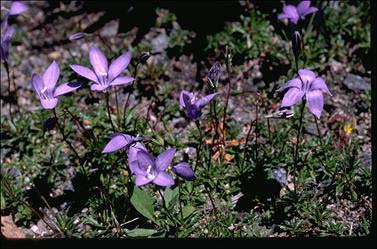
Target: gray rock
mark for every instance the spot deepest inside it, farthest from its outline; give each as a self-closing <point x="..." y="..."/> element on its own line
<point x="356" y="83"/>
<point x="160" y="43"/>
<point x="365" y="158"/>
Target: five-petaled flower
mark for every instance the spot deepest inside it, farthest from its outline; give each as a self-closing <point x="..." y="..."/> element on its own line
<point x="103" y="75"/>
<point x="45" y="86"/>
<point x="192" y="105"/>
<point x="149" y="169"/>
<point x="6" y="35"/>
<point x="307" y="85"/>
<point x="294" y="13"/>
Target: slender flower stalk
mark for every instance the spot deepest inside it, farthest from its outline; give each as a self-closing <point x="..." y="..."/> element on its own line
<point x="9" y="92"/>
<point x="295" y="155"/>
<point x="128" y="94"/>
<point x="228" y="62"/>
<point x="109" y="111"/>
<point x="65" y="139"/>
<point x="197" y="123"/>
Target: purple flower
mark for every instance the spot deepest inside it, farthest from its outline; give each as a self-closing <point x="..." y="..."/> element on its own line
<point x="294" y="13"/>
<point x="183" y="170"/>
<point x="120" y="141"/>
<point x="308" y="86"/>
<point x="148" y="169"/>
<point x="45" y="86"/>
<point x="6" y="35"/>
<point x="104" y="76"/>
<point x="192" y="105"/>
<point x="17" y="8"/>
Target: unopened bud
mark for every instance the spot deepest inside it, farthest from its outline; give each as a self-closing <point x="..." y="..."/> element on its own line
<point x="297" y="43"/>
<point x="144" y="56"/>
<point x="77" y="36"/>
<point x="214" y="73"/>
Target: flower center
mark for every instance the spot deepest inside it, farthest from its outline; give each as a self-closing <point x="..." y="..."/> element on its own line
<point x="44" y="93"/>
<point x="151" y="174"/>
<point x="102" y="78"/>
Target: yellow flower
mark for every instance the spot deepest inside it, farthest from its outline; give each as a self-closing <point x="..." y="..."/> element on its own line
<point x="348" y="128"/>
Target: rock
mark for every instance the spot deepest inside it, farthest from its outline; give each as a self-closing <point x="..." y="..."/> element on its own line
<point x="356" y="83"/>
<point x="110" y="29"/>
<point x="160" y="43"/>
<point x="9" y="228"/>
<point x="365" y="158"/>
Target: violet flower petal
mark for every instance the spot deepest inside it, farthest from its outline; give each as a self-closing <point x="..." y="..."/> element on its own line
<point x="145" y="160"/>
<point x="296" y="82"/>
<point x="303" y="9"/>
<point x="164" y="159"/>
<point x="315" y="102"/>
<point x="17" y="8"/>
<point x="66" y="88"/>
<point x="291" y="97"/>
<point x="141" y="180"/>
<point x="37" y="84"/>
<point x="303" y="6"/>
<point x="309" y="11"/>
<point x="184" y="170"/>
<point x="98" y="61"/>
<point x="132" y="158"/>
<point x="192" y="110"/>
<point x="51" y="76"/>
<point x="7" y="35"/>
<point x="291" y="13"/>
<point x="164" y="179"/>
<point x="98" y="88"/>
<point x="85" y="72"/>
<point x="119" y="65"/>
<point x="205" y="100"/>
<point x="306" y="75"/>
<point x="122" y="80"/>
<point x="319" y="84"/>
<point x="49" y="103"/>
<point x="117" y="142"/>
<point x="191" y="97"/>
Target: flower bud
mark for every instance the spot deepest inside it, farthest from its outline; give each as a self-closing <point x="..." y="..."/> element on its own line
<point x="77" y="36"/>
<point x="144" y="56"/>
<point x="183" y="170"/>
<point x="214" y="73"/>
<point x="297" y="44"/>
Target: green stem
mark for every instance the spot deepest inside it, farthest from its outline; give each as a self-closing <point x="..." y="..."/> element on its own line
<point x="9" y="92"/>
<point x="108" y="111"/>
<point x="297" y="144"/>
<point x="180" y="199"/>
<point x="199" y="145"/>
<point x="128" y="94"/>
<point x="66" y="140"/>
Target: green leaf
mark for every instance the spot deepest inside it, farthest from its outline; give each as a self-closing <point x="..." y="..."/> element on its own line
<point x="143" y="203"/>
<point x="171" y="197"/>
<point x="141" y="232"/>
<point x="187" y="211"/>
